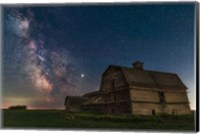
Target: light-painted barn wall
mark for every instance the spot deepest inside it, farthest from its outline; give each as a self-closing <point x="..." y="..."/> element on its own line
<point x="144" y="95"/>
<point x="145" y="108"/>
<point x="176" y="97"/>
<point x="179" y="109"/>
<point x="148" y="108"/>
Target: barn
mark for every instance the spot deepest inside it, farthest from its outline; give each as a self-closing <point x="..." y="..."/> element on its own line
<point x="138" y="91"/>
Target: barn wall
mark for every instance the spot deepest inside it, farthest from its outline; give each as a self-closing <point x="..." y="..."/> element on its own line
<point x="144" y="108"/>
<point x="144" y="95"/>
<point x="179" y="109"/>
<point x="122" y="96"/>
<point x="148" y="108"/>
<point x="176" y="97"/>
<point x="111" y="108"/>
<point x="116" y="96"/>
<point x="117" y="108"/>
<point x="115" y="93"/>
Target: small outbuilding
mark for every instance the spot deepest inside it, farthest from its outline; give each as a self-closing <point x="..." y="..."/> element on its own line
<point x="74" y="103"/>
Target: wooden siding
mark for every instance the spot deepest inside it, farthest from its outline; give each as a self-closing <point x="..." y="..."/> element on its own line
<point x="148" y="108"/>
<point x="142" y="95"/>
<point x="176" y="97"/>
<point x="118" y="108"/>
<point x="119" y="96"/>
<point x="144" y="108"/>
<point x="174" y="90"/>
<point x="113" y="79"/>
<point x="112" y="108"/>
<point x="153" y="95"/>
<point x="147" y="102"/>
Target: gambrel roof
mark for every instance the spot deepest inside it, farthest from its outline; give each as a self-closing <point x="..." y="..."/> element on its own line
<point x="148" y="78"/>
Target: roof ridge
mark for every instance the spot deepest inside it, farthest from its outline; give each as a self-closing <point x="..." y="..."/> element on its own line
<point x="153" y="71"/>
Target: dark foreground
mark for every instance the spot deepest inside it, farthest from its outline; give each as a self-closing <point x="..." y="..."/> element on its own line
<point x="56" y="119"/>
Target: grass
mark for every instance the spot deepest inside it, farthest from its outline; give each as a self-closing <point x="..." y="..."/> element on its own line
<point x="58" y="119"/>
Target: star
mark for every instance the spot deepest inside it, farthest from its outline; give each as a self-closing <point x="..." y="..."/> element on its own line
<point x="82" y="75"/>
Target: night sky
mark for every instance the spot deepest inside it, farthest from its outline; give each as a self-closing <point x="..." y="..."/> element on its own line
<point x="50" y="52"/>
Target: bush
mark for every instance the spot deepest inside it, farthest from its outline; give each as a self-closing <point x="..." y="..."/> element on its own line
<point x="18" y="107"/>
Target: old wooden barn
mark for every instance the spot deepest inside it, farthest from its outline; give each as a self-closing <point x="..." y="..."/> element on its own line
<point x="138" y="91"/>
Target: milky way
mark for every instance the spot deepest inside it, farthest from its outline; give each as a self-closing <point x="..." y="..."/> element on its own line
<point x="51" y="72"/>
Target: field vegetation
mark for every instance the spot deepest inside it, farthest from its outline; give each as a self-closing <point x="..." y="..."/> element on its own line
<point x="58" y="119"/>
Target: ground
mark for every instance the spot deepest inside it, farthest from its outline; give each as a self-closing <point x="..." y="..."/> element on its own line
<point x="59" y="119"/>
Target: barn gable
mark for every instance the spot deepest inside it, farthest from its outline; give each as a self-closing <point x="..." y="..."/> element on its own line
<point x="113" y="79"/>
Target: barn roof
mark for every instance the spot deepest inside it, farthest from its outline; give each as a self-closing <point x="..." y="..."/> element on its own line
<point x="148" y="78"/>
<point x="74" y="100"/>
<point x="92" y="94"/>
<point x="94" y="100"/>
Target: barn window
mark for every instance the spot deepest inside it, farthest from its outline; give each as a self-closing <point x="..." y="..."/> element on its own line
<point x="113" y="84"/>
<point x="162" y="97"/>
<point x="115" y="97"/>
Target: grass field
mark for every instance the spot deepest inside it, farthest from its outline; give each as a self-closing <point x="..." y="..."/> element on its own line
<point x="58" y="119"/>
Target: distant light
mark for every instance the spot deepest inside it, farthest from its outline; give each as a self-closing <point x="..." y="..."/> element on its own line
<point x="82" y="75"/>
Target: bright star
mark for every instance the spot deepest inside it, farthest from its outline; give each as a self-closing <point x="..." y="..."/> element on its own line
<point x="82" y="75"/>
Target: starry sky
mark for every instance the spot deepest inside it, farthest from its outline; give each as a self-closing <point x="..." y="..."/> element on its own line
<point x="52" y="51"/>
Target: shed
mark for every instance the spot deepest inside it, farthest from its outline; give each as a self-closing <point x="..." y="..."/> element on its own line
<point x="74" y="103"/>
